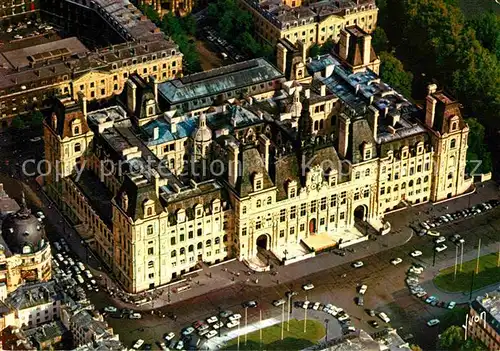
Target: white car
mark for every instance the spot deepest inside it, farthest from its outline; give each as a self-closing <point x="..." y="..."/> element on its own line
<point x="362" y="289"/>
<point x="212" y="320"/>
<point x="211" y="334"/>
<point x="135" y="316"/>
<point x="305" y="305"/>
<point x="343" y="318"/>
<point x="416" y="253"/>
<point x="316" y="306"/>
<point x="180" y="345"/>
<point x="40" y="214"/>
<point x="279" y="302"/>
<point x="233" y="324"/>
<point x="433" y="233"/>
<point x="138" y="344"/>
<point x="358" y="264"/>
<point x="396" y="261"/>
<point x="235" y="317"/>
<point x="440" y="240"/>
<point x="169" y="336"/>
<point x="218" y="325"/>
<point x="441" y="248"/>
<point x="307" y="287"/>
<point x="88" y="274"/>
<point x="451" y="305"/>
<point x="81" y="266"/>
<point x="384" y="317"/>
<point x="110" y="309"/>
<point x="433" y="322"/>
<point x="79" y="279"/>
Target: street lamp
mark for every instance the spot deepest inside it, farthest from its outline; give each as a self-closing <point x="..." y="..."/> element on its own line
<point x="326" y="329"/>
<point x="218" y="308"/>
<point x="434" y="257"/>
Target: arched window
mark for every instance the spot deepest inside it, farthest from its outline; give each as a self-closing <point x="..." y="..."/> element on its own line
<point x="149" y="211"/>
<point x="410" y="183"/>
<point x="150" y="110"/>
<point x="76" y="130"/>
<point x="190" y="248"/>
<point x="224" y="238"/>
<point x="269" y="200"/>
<point x="199" y="246"/>
<point x="453" y="143"/>
<point x="367" y="172"/>
<point x="419" y="181"/>
<point x="208" y="243"/>
<point x="450" y="175"/>
<point x="182" y="251"/>
<point x="217" y="241"/>
<point x="78" y="147"/>
<point x="316" y="125"/>
<point x="426" y="179"/>
<point x="173" y="253"/>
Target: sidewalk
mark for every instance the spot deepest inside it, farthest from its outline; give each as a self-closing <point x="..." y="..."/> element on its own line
<point x="235" y="272"/>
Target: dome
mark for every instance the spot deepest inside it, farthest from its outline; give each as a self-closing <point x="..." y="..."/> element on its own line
<point x="22" y="232"/>
<point x="202" y="133"/>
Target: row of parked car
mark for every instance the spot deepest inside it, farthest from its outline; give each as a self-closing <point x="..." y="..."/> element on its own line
<point x="468" y="212"/>
<point x="213" y="37"/>
<point x="412" y="281"/>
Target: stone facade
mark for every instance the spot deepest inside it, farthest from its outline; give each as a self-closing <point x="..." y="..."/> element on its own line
<point x="251" y="174"/>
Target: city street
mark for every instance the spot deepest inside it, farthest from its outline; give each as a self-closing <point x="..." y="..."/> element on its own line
<point x="334" y="278"/>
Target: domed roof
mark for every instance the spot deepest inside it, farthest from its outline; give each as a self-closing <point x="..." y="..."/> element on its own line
<point x="22" y="232"/>
<point x="202" y="133"/>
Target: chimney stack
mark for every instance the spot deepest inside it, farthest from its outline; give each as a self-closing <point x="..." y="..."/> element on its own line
<point x="131" y="95"/>
<point x="156" y="133"/>
<point x="344" y="44"/>
<point x="281" y="57"/>
<point x="154" y="83"/>
<point x="233" y="158"/>
<point x="344" y="124"/>
<point x="322" y="90"/>
<point x="264" y="144"/>
<point x="83" y="103"/>
<point x="307" y="93"/>
<point x="367" y="49"/>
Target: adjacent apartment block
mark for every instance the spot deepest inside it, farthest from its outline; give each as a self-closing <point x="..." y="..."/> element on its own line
<point x="313" y="22"/>
<point x="483" y="321"/>
<point x="241" y="162"/>
<point x="41" y="65"/>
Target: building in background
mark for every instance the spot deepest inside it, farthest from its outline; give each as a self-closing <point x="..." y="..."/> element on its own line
<point x="483" y="321"/>
<point x="308" y="21"/>
<point x="177" y="7"/>
<point x="241" y="162"/>
<point x="36" y="63"/>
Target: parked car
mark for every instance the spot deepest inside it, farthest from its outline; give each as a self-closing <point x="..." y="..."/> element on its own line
<point x="110" y="309"/>
<point x="374" y="324"/>
<point x="279" y="302"/>
<point x="361" y="301"/>
<point x="358" y="264"/>
<point x="187" y="331"/>
<point x="212" y="320"/>
<point x="440" y="240"/>
<point x="138" y="344"/>
<point x="179" y="345"/>
<point x="235" y="317"/>
<point x="316" y="306"/>
<point x="362" y="289"/>
<point x="416" y="253"/>
<point x="451" y="305"/>
<point x="233" y="323"/>
<point x="135" y="315"/>
<point x="384" y="317"/>
<point x="433" y="322"/>
<point x="225" y="314"/>
<point x="250" y="304"/>
<point x="433" y="233"/>
<point x="396" y="261"/>
<point x="170" y="335"/>
<point x="308" y="286"/>
<point x="441" y="248"/>
<point x="211" y="334"/>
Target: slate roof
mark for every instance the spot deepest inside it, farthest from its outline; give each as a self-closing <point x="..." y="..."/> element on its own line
<point x="30" y="295"/>
<point x="144" y="93"/>
<point x="286" y="169"/>
<point x="65" y="113"/>
<point x="251" y="163"/>
<point x="184" y="128"/>
<point x="360" y="134"/>
<point x="218" y="80"/>
<point x="137" y="195"/>
<point x="446" y="108"/>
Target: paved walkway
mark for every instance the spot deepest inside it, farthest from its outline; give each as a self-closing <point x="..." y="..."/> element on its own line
<point x="234" y="272"/>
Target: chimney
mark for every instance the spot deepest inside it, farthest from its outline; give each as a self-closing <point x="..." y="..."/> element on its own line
<point x="131" y="95"/>
<point x="264" y="149"/>
<point x="154" y="84"/>
<point x="344" y="44"/>
<point x="83" y="103"/>
<point x="173" y="126"/>
<point x="233" y="153"/>
<point x="307" y="93"/>
<point x="344" y="123"/>
<point x="156" y="133"/>
<point x="303" y="50"/>
<point x="367" y="49"/>
<point x="322" y="90"/>
<point x="430" y="110"/>
<point x="374" y="114"/>
<point x="54" y="121"/>
<point x="431" y="89"/>
<point x="281" y="57"/>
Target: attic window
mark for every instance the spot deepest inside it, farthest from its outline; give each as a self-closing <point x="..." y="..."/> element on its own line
<point x="76" y="130"/>
<point x="292" y="189"/>
<point x="454" y="126"/>
<point x="368" y="154"/>
<point x="215" y="206"/>
<point x="257" y="183"/>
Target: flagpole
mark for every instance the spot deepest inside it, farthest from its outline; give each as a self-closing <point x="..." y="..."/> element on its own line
<point x="461" y="255"/>
<point x="260" y="327"/>
<point x="238" y="335"/>
<point x="246" y="329"/>
<point x="305" y="317"/>
<point x="282" y="321"/>
<point x="456" y="262"/>
<point x="478" y="254"/>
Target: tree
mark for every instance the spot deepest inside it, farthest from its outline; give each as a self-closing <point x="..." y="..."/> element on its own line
<point x="392" y="72"/>
<point x="477" y="150"/>
<point x="487" y="28"/>
<point x="314" y="50"/>
<point x="37" y="119"/>
<point x="380" y="42"/>
<point x="189" y="24"/>
<point x="473" y="345"/>
<point x="452" y="338"/>
<point x="18" y="123"/>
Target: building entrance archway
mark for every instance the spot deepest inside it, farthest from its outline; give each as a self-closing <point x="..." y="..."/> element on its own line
<point x="312" y="226"/>
<point x="360" y="213"/>
<point x="263" y="242"/>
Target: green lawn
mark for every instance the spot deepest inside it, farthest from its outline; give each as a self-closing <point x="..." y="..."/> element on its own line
<point x="489" y="274"/>
<point x="295" y="339"/>
<point x="475" y="7"/>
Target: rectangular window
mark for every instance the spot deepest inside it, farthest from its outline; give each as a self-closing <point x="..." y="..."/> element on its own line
<point x="258" y="224"/>
<point x="321" y="221"/>
<point x="282" y="215"/>
<point x="342" y="215"/>
<point x="427" y="166"/>
<point x="292" y="230"/>
<point x="333" y="200"/>
<point x="150" y="251"/>
<point x="190" y="234"/>
<point x="293" y="212"/>
<point x="323" y="204"/>
<point x="332" y="218"/>
<point x="343" y="198"/>
<point x="302" y="210"/>
<point x="172" y="241"/>
<point x="356" y="196"/>
<point x="313" y="206"/>
<point x="244" y="231"/>
<point x="282" y="233"/>
<point x="302" y="227"/>
<point x="181" y="237"/>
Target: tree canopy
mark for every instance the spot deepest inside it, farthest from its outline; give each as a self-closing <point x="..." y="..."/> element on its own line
<point x="393" y="73"/>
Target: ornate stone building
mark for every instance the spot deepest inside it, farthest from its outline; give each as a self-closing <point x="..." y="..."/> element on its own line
<point x="96" y="66"/>
<point x="24" y="249"/>
<point x="177" y="7"/>
<point x="261" y="168"/>
<point x="308" y="21"/>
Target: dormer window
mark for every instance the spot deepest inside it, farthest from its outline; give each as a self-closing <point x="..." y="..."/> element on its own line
<point x="148" y="207"/>
<point x="367" y="151"/>
<point x="216" y="206"/>
<point x="404" y="152"/>
<point x="454" y="124"/>
<point x="76" y="126"/>
<point x="257" y="182"/>
<point x="292" y="189"/>
<point x="181" y="216"/>
<point x="198" y="210"/>
<point x="150" y="108"/>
